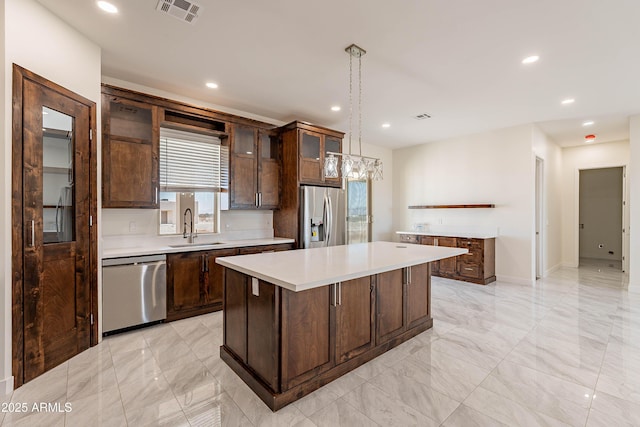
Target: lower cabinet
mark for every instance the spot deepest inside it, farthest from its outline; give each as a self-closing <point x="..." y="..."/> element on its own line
<point x="285" y="344"/>
<point x="476" y="266"/>
<point x="195" y="281"/>
<point x="399" y="308"/>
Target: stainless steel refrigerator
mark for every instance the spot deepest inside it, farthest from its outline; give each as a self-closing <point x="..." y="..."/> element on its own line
<point x="322" y="217"/>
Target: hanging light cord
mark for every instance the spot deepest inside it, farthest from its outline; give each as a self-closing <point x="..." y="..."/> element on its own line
<point x="350" y="99"/>
<point x="360" y="103"/>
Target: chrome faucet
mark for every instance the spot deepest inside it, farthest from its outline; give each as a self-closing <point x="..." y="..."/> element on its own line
<point x="191" y="235"/>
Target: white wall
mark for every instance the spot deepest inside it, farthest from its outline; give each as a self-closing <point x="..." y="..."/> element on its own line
<point x="551" y="154"/>
<point x="40" y="42"/>
<point x="492" y="167"/>
<point x="574" y="159"/>
<point x="634" y="203"/>
<point x="381" y="193"/>
<point x="600" y="211"/>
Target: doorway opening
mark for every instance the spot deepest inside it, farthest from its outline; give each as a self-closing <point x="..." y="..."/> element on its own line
<point x="601" y="217"/>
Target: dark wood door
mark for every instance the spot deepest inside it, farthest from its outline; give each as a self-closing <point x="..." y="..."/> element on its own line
<point x="184" y="276"/>
<point x="56" y="209"/>
<point x="262" y="339"/>
<point x="269" y="170"/>
<point x="390" y="293"/>
<point x="354" y="318"/>
<point x="244" y="167"/>
<point x="130" y="154"/>
<point x="214" y="277"/>
<point x="430" y="240"/>
<point x="310" y="153"/>
<point x="418" y="296"/>
<point x="447" y="266"/>
<point x="308" y="346"/>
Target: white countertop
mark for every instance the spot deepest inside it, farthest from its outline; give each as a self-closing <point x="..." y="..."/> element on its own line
<point x="303" y="269"/>
<point x="468" y="234"/>
<point x="164" y="249"/>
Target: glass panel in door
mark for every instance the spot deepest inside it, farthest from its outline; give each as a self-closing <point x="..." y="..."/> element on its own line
<point x="358" y="211"/>
<point x="57" y="177"/>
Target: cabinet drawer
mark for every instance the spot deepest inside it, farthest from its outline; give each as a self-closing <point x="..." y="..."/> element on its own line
<point x="474" y="256"/>
<point x="409" y="238"/>
<point x="470" y="243"/>
<point x="473" y="271"/>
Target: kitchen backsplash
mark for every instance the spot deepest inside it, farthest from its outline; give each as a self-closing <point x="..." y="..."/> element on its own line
<point x="139" y="227"/>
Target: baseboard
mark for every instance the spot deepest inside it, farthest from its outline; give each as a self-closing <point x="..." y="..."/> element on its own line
<point x="6" y="386"/>
<point x="514" y="280"/>
<point x="552" y="269"/>
<point x="569" y="264"/>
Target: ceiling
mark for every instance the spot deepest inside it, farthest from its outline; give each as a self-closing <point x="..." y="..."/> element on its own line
<point x="458" y="61"/>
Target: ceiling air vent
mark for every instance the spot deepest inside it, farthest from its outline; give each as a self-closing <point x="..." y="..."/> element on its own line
<point x="422" y="116"/>
<point x="180" y="9"/>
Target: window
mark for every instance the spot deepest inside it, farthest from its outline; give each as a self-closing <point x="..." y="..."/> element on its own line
<point x="193" y="174"/>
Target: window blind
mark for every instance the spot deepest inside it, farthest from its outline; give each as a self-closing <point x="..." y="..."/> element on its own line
<point x="192" y="162"/>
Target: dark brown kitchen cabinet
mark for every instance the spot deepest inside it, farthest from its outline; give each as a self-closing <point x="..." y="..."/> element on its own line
<point x="130" y="153"/>
<point x="390" y="299"/>
<point x="418" y="283"/>
<point x="477" y="266"/>
<point x="303" y="152"/>
<point x="285" y="344"/>
<point x="447" y="267"/>
<point x="354" y="330"/>
<point x="194" y="283"/>
<point x="255" y="169"/>
<point x="403" y="301"/>
<point x="320" y="327"/>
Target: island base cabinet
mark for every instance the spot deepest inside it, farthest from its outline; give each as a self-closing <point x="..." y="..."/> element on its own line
<point x="286" y="344"/>
<point x="307" y="339"/>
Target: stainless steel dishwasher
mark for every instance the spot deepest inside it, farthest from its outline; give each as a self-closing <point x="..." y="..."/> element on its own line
<point x="134" y="291"/>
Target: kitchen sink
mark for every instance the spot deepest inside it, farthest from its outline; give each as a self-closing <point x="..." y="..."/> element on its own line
<point x="196" y="245"/>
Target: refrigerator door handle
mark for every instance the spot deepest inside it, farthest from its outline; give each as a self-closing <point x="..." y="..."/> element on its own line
<point x="328" y="224"/>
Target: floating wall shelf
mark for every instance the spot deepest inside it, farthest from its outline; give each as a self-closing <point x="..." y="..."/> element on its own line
<point x="475" y="206"/>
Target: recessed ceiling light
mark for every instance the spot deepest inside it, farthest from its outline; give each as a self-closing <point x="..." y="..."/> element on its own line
<point x="568" y="101"/>
<point x="212" y="85"/>
<point x="107" y="7"/>
<point x="335" y="108"/>
<point x="530" y="59"/>
<point x="587" y="123"/>
<point x="386" y="125"/>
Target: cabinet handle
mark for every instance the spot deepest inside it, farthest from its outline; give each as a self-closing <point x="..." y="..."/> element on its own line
<point x="335" y="295"/>
<point x="339" y="293"/>
<point x="260" y="199"/>
<point x="202" y="263"/>
<point x="468" y="268"/>
<point x="257" y="202"/>
<point x="435" y="242"/>
<point x="410" y="276"/>
<point x="33" y="233"/>
<point x="156" y="194"/>
<point x="206" y="263"/>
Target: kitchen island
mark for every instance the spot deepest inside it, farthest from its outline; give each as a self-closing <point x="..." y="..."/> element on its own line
<point x="296" y="320"/>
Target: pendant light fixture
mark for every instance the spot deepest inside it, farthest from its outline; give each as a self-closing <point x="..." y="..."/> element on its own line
<point x="354" y="166"/>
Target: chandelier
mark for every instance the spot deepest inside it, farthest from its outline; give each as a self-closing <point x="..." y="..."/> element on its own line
<point x="354" y="166"/>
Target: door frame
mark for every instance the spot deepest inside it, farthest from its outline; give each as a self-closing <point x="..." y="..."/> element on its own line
<point x="17" y="240"/>
<point x="539" y="218"/>
<point x="625" y="212"/>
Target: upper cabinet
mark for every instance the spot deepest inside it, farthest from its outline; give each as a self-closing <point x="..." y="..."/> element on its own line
<point x="306" y="147"/>
<point x="130" y="152"/>
<point x="255" y="168"/>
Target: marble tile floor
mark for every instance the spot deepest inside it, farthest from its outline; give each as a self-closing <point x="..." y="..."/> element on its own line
<point x="565" y="352"/>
